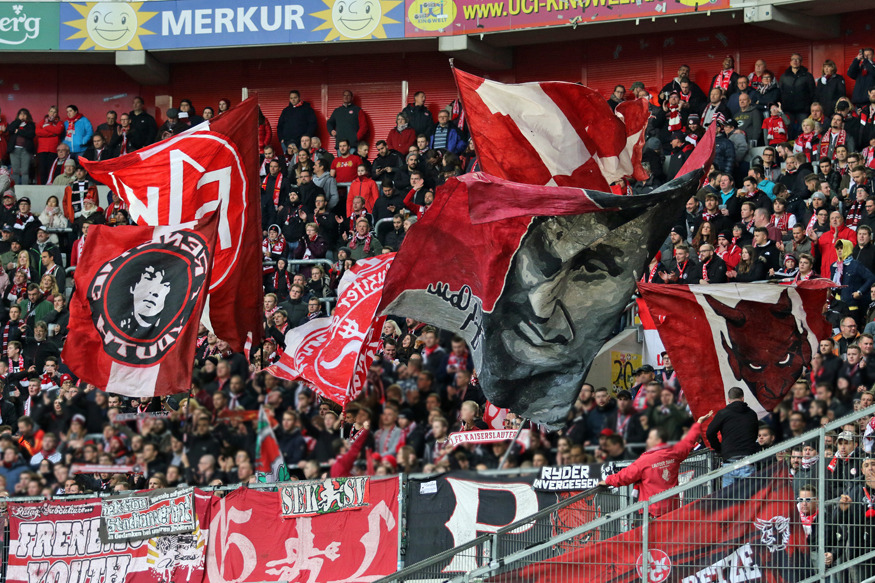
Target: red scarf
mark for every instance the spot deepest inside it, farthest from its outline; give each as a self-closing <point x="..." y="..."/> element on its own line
<point x="6" y="328"/>
<point x="458" y="362"/>
<point x="705" y="269"/>
<point x="866" y="114"/>
<point x="776" y="130"/>
<point x="869" y="153"/>
<point x="800" y="277"/>
<point x="71" y="125"/>
<point x="675" y="123"/>
<point x="805" y="144"/>
<point x="685" y="97"/>
<point x="59" y="163"/>
<point x="781" y="221"/>
<point x="855" y="214"/>
<point x="277" y="186"/>
<point x="277" y="247"/>
<point x="114" y="207"/>
<point x="276" y="282"/>
<point x="353" y="243"/>
<point x="354" y="216"/>
<point x="841" y="136"/>
<point x="17" y="367"/>
<point x="723" y="79"/>
<point x="645" y="278"/>
<point x="124" y="148"/>
<point x="706" y="216"/>
<point x="755" y="81"/>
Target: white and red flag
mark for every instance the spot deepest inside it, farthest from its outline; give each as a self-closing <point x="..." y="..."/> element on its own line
<point x="334" y="354"/>
<point x="211" y="168"/>
<point x="139" y="296"/>
<point x="757" y="337"/>
<point x="553" y="133"/>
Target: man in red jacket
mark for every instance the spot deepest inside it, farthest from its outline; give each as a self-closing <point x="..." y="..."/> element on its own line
<point x="825" y="243"/>
<point x="657" y="468"/>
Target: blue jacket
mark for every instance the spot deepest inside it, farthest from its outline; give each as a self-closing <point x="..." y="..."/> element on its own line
<point x="455" y="143"/>
<point x="864" y="82"/>
<point x="82" y="133"/>
<point x="724" y="153"/>
<point x="856" y="277"/>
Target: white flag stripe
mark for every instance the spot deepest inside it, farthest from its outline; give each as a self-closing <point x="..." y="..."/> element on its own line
<point x="133" y="381"/>
<point x="542" y="123"/>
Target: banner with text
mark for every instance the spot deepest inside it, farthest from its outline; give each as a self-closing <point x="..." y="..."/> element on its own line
<point x="28" y="26"/>
<point x="59" y="541"/>
<point x="161" y="512"/>
<point x="114" y="26"/>
<point x="455" y="17"/>
<point x="334" y="495"/>
<point x="249" y="541"/>
<point x="572" y="478"/>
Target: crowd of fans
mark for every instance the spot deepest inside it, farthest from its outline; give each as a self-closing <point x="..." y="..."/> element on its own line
<point x="800" y="208"/>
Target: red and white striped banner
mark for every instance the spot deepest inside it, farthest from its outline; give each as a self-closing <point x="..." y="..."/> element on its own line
<point x="103" y="469"/>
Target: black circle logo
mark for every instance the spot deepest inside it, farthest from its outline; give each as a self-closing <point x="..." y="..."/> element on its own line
<point x="143" y="299"/>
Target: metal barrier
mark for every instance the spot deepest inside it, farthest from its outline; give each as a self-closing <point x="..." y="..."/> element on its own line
<point x="387" y="222"/>
<point x="565" y="515"/>
<point x="829" y="531"/>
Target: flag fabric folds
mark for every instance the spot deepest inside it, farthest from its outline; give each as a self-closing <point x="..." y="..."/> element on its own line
<point x="563" y="134"/>
<point x="333" y="354"/>
<point x="268" y="457"/>
<point x="139" y="295"/>
<point x="208" y="169"/>
<point x="757" y="337"/>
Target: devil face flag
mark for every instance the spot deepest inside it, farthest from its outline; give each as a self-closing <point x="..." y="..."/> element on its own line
<point x="139" y="296"/>
<point x="757" y="337"/>
<point x="208" y="169"/>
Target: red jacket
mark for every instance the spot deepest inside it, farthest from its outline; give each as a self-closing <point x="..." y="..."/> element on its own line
<point x="342" y="466"/>
<point x="365" y="188"/>
<point x="49" y="135"/>
<point x="826" y="244"/>
<point x="401" y="141"/>
<point x="265" y="135"/>
<point x="657" y="470"/>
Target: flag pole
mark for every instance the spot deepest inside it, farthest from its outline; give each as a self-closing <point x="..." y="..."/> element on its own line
<point x="515" y="437"/>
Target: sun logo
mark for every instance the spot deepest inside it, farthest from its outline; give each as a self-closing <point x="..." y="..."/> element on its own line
<point x="356" y="19"/>
<point x="110" y="26"/>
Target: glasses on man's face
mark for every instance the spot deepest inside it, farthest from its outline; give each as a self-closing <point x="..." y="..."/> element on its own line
<point x="805" y="499"/>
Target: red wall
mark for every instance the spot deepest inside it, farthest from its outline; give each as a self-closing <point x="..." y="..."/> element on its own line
<point x="377" y="79"/>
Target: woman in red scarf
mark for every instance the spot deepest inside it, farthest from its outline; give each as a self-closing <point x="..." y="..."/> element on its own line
<point x="808" y="141"/>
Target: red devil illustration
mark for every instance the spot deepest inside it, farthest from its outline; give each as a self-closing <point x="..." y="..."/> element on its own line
<point x="766" y="347"/>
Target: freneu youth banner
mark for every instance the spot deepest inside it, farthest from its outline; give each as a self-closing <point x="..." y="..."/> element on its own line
<point x="59" y="541"/>
<point x="160" y="512"/>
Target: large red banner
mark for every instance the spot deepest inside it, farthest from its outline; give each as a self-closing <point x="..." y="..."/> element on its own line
<point x="59" y="542"/>
<point x="249" y="541"/>
<point x="210" y="168"/>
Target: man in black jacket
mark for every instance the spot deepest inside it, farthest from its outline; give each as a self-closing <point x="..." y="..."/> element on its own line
<point x="737" y="426"/>
<point x="297" y="119"/>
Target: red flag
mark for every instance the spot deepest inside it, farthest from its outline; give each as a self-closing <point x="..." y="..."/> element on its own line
<point x="747" y="532"/>
<point x="210" y="168"/>
<point x="139" y="296"/>
<point x="494" y="416"/>
<point x="757" y="337"/>
<point x="334" y="354"/>
<point x="563" y="134"/>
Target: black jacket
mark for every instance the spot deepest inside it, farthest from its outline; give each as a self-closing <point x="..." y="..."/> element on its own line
<point x="419" y="119"/>
<point x="26" y="131"/>
<point x="295" y="122"/>
<point x="738" y="426"/>
<point x="797" y="90"/>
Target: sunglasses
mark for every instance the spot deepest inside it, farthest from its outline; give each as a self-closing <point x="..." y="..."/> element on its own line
<point x="807" y="499"/>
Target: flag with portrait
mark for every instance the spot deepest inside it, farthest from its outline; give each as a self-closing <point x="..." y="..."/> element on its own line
<point x="139" y="296"/>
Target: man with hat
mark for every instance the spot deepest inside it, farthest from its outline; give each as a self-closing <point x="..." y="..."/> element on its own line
<point x="643" y="375"/>
<point x="624" y="420"/>
<point x="91" y="212"/>
<point x="172" y="126"/>
<point x="737" y="137"/>
<point x="680" y="151"/>
<point x="8" y="208"/>
<point x="737" y="427"/>
<point x="25" y="223"/>
<point x="694" y="129"/>
<point x="5" y="239"/>
<point x="67" y="174"/>
<point x="844" y="468"/>
<point x="75" y="194"/>
<point x="727" y="250"/>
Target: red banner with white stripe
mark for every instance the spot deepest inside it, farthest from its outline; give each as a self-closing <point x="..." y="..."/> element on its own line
<point x="333" y="354"/>
<point x="757" y="337"/>
<point x="563" y="134"/>
<point x="209" y="169"/>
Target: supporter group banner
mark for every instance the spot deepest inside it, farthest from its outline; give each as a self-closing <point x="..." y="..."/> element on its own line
<point x="453" y="510"/>
<point x="452" y="17"/>
<point x="60" y="542"/>
<point x="161" y="512"/>
<point x="181" y="24"/>
<point x="747" y="532"/>
<point x="249" y="541"/>
<point x="28" y="26"/>
<point x="572" y="478"/>
<point x="334" y="495"/>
